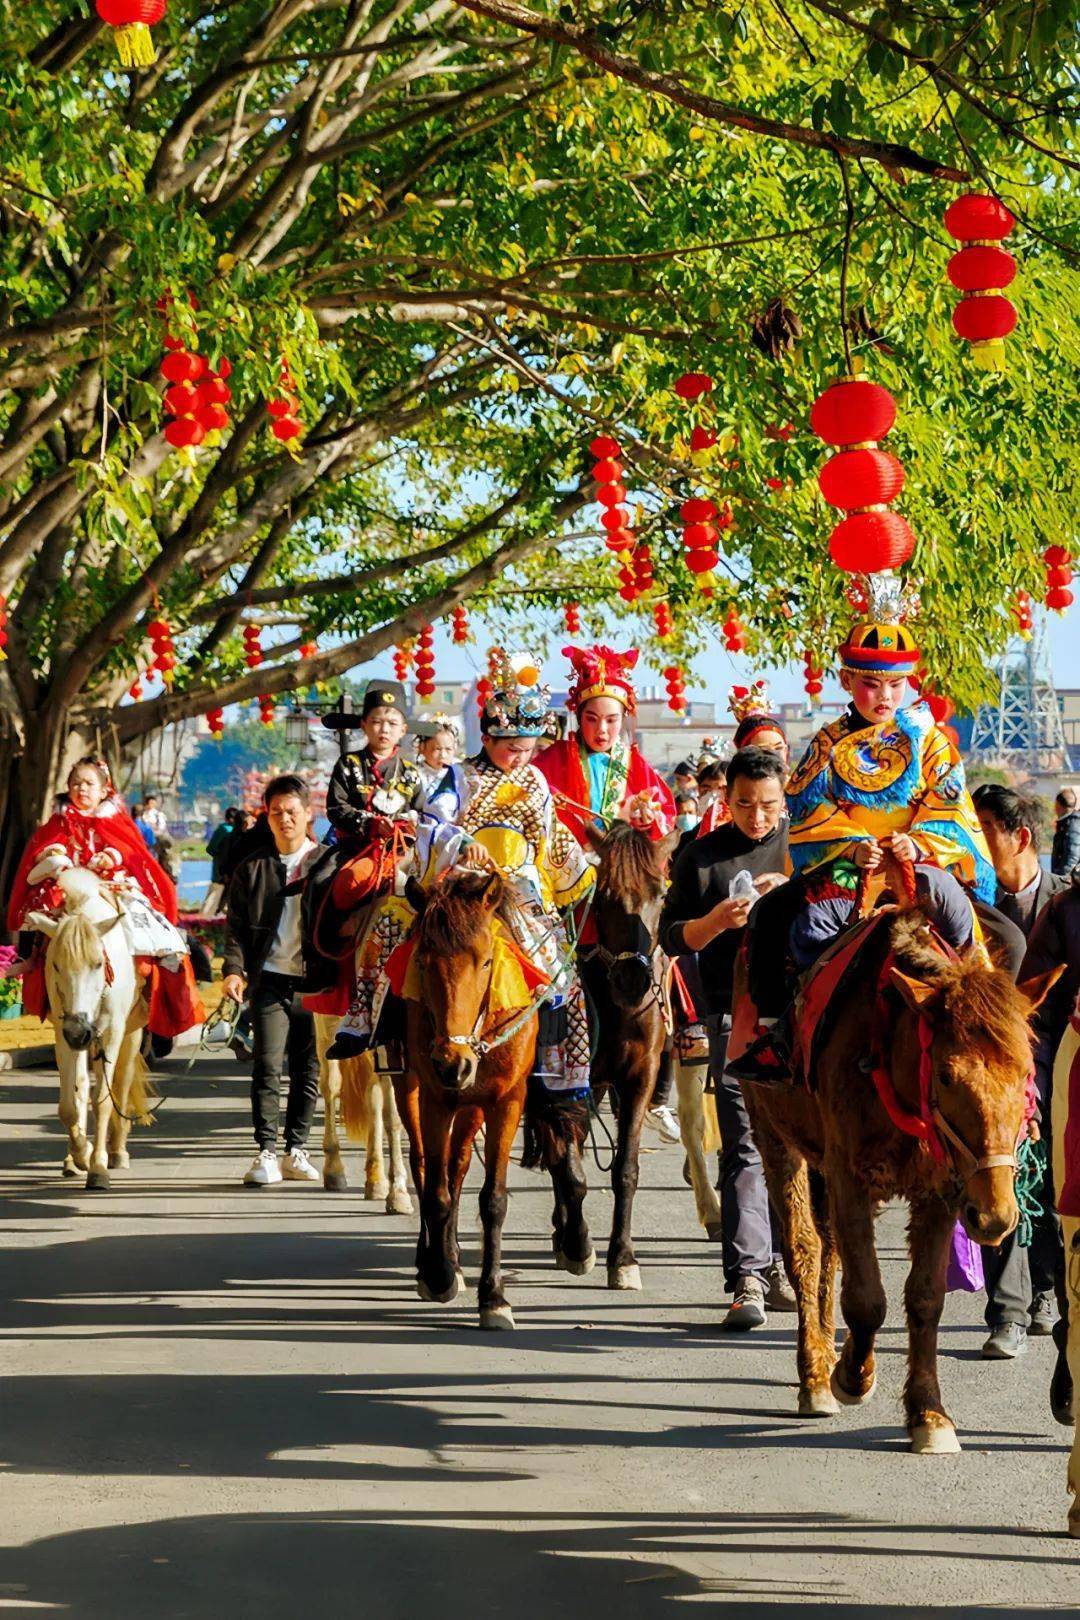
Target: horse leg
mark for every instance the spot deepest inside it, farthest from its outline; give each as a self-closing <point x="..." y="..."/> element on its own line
<point x="398" y="1201"/>
<point x="127" y="1062"/>
<point x="467" y="1121"/>
<point x="690" y="1089"/>
<point x="788" y="1180"/>
<point x="97" y="1178"/>
<point x="1071" y="1234"/>
<point x="862" y="1297"/>
<point x="570" y="1239"/>
<point x="330" y="1080"/>
<point x="438" y="1277"/>
<point x="623" y="1271"/>
<point x="500" y="1126"/>
<point x="73" y="1105"/>
<point x="929" y="1236"/>
<point x="376" y="1185"/>
<point x="819" y="1203"/>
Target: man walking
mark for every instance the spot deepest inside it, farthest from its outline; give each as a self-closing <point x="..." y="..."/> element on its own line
<point x="264" y="954"/>
<point x="702" y="915"/>
<point x="1065" y="852"/>
<point x="1019" y="1281"/>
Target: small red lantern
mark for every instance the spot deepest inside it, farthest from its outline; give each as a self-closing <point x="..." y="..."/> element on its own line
<point x="131" y="22"/>
<point x="676" y="688"/>
<point x="663" y="620"/>
<point x="604" y="447"/>
<point x="641" y="559"/>
<point x="459" y="622"/>
<point x="1059" y="576"/>
<point x="853" y="411"/>
<point x="266" y="710"/>
<point x="871" y="542"/>
<point x="572" y="619"/>
<point x="215" y="719"/>
<point x="425" y="663"/>
<point x="734" y="632"/>
<point x="855" y="478"/>
<point x="164" y="659"/>
<point x="1022" y="613"/>
<point x="702" y="438"/>
<point x="984" y="316"/>
<point x="692" y="384"/>
<point x="484" y="690"/>
<point x="812" y="676"/>
<point x="861" y="479"/>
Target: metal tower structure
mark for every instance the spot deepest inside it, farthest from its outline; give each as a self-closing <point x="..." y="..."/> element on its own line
<point x="1024" y="730"/>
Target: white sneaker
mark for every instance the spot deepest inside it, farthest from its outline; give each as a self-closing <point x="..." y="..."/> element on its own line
<point x="296" y="1166"/>
<point x="264" y="1170"/>
<point x="666" y="1121"/>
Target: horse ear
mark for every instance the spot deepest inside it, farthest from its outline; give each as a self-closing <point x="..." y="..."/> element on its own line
<point x="1035" y="991"/>
<point x="667" y="846"/>
<point x="915" y="993"/>
<point x="105" y="923"/>
<point x="40" y="922"/>
<point x="491" y="893"/>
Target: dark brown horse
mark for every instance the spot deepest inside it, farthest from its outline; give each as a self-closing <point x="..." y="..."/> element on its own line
<point x="950" y="1037"/>
<point x="468" y="1067"/>
<point x="623" y="980"/>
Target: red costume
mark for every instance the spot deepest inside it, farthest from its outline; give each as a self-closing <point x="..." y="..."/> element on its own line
<point x="603" y="784"/>
<point x="174" y="1003"/>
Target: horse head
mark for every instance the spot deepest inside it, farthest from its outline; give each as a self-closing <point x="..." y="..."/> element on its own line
<point x="455" y="948"/>
<point x="629" y="896"/>
<point x="965" y="1065"/>
<point x="76" y="964"/>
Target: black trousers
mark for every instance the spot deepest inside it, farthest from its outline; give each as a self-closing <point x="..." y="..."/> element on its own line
<point x="284" y="1036"/>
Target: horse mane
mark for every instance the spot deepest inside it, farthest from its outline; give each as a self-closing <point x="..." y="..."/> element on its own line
<point x="79" y="887"/>
<point x="631" y="869"/>
<point x="76" y="944"/>
<point x="451" y="918"/>
<point x="975" y="998"/>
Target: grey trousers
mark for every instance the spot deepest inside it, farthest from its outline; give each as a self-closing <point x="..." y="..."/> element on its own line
<point x="747" y="1246"/>
<point x="1015" y="1275"/>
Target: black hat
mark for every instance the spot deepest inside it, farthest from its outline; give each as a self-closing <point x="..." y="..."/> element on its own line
<point x="383" y="695"/>
<point x="685" y="767"/>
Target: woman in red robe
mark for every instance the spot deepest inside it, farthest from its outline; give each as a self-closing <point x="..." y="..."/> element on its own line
<point x="93" y="830"/>
<point x="598" y="775"/>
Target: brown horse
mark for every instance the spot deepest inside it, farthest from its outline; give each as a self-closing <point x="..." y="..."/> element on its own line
<point x="622" y="977"/>
<point x="950" y="1038"/>
<point x="466" y="1075"/>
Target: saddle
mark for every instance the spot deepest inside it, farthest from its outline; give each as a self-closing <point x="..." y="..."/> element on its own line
<point x="820" y="994"/>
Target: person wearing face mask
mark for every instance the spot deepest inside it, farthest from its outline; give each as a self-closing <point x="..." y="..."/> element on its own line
<point x="702" y="916"/>
<point x="881" y="784"/>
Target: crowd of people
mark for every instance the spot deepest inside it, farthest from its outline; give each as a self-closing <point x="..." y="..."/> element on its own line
<point x="782" y="858"/>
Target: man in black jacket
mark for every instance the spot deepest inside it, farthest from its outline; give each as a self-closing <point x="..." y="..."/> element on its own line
<point x="1019" y="1281"/>
<point x="265" y="954"/>
<point x="1065" y="853"/>
<point x="701" y="915"/>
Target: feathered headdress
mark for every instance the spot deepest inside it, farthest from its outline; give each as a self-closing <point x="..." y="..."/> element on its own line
<point x="518" y="707"/>
<point x="879" y="642"/>
<point x="749" y="702"/>
<point x="601" y="672"/>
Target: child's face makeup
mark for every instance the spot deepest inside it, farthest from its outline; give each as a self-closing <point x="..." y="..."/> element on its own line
<point x="877" y="697"/>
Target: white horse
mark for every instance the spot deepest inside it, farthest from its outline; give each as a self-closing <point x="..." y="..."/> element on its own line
<point x="98" y="1014"/>
<point x="362" y="1102"/>
<point x="1070" y="1227"/>
<point x="700" y="1133"/>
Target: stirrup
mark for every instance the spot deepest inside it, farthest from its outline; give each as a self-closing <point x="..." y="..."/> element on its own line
<point x="766" y="1061"/>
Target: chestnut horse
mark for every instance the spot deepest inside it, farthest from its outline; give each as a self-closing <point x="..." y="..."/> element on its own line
<point x="948" y="1044"/>
<point x="622" y="977"/>
<point x="471" y="1067"/>
<point x="1066" y="1137"/>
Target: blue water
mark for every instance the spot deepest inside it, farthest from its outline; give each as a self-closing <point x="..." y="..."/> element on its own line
<point x="193" y="884"/>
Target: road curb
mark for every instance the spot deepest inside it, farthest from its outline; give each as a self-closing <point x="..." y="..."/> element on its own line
<point x="28" y="1057"/>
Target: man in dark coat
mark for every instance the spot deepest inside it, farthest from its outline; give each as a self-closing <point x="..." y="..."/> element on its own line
<point x="1065" y="853"/>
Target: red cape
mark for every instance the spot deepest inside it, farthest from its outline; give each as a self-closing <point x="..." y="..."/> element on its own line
<point x="82" y="837"/>
<point x="562" y="766"/>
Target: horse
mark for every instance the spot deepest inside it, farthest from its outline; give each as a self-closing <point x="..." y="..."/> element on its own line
<point x="362" y="1100"/>
<point x="621" y="975"/>
<point x="98" y="1015"/>
<point x="471" y="1067"/>
<point x="1067" y="1373"/>
<point x="936" y="1122"/>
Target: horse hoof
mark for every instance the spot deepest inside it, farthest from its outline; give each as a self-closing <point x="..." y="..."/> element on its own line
<point x="69" y="1167"/>
<point x="120" y="1161"/>
<point x="577" y="1268"/>
<point x="934" y="1440"/>
<point x="818" y="1403"/>
<point x="687" y="1177"/>
<point x="335" y="1181"/>
<point x="1074" y="1523"/>
<point x="498" y="1317"/>
<point x="81" y="1157"/>
<point x="1062" y="1404"/>
<point x="97" y="1181"/>
<point x="376" y="1191"/>
<point x="398" y="1202"/>
<point x="844" y="1396"/>
<point x="624" y="1277"/>
<point x="440" y="1299"/>
<point x="714" y="1231"/>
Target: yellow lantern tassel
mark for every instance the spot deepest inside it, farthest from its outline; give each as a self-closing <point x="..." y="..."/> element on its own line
<point x="135" y="46"/>
<point x="989" y="355"/>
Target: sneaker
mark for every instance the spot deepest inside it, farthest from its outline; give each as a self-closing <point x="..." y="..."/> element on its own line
<point x="240" y="1050"/>
<point x="768" y="1059"/>
<point x="666" y="1121"/>
<point x="264" y="1170"/>
<point x="1006" y="1342"/>
<point x="779" y="1294"/>
<point x="1042" y="1317"/>
<point x="296" y="1166"/>
<point x="747" y="1309"/>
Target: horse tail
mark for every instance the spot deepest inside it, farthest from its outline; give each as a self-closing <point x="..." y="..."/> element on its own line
<point x="357" y="1078"/>
<point x="141" y="1093"/>
<point x="551" y="1127"/>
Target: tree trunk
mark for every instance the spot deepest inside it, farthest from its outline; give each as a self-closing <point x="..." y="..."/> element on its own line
<point x="32" y="772"/>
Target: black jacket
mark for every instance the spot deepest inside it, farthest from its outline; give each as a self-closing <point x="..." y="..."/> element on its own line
<point x="1054" y="942"/>
<point x="1065" y="853"/>
<point x="353" y="784"/>
<point x="700" y="879"/>
<point x="256" y="898"/>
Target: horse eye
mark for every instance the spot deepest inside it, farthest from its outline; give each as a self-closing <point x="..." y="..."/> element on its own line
<point x="944" y="1079"/>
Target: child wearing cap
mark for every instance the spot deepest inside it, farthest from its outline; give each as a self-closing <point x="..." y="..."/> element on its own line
<point x="376" y="786"/>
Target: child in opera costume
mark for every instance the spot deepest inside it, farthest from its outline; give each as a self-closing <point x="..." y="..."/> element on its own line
<point x="93" y="830"/>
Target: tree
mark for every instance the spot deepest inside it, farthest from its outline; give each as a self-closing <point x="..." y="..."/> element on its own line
<point x="472" y="234"/>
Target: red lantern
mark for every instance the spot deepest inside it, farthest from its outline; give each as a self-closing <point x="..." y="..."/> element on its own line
<point x="425" y="662"/>
<point x="135" y="689"/>
<point x="853" y="411"/>
<point x="266" y="710"/>
<point x="692" y="384"/>
<point x="855" y="478"/>
<point x="978" y="218"/>
<point x="697" y="510"/>
<point x="702" y="438"/>
<point x="871" y="542"/>
<point x="643" y="568"/>
<point x="702" y="562"/>
<point x="484" y="691"/>
<point x="974" y="268"/>
<point x="215" y="719"/>
<point x="984" y="317"/>
<point x="181" y="367"/>
<point x="676" y="688"/>
<point x="734" y="632"/>
<point x="604" y="447"/>
<point x="459" y="621"/>
<point x="572" y="619"/>
<point x="1058" y="578"/>
<point x="181" y="399"/>
<point x="608" y="471"/>
<point x="131" y="22"/>
<point x="185" y="432"/>
<point x="663" y="620"/>
<point x="940" y="707"/>
<point x="286" y="428"/>
<point x="1056" y="556"/>
<point x="308" y="649"/>
<point x="611" y="494"/>
<point x="1058" y="598"/>
<point x="812" y="676"/>
<point x="620" y="540"/>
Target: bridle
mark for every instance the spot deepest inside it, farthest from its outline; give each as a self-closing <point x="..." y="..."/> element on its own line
<point x="646" y="959"/>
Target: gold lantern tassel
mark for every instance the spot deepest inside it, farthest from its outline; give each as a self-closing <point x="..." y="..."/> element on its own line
<point x="989" y="355"/>
<point x="134" y="45"/>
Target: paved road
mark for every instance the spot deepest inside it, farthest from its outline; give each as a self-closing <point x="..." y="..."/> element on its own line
<point x="223" y="1402"/>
